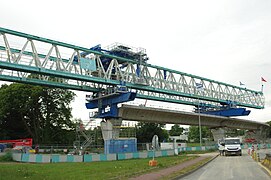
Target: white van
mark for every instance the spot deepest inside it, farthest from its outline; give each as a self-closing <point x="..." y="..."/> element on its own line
<point x="233" y="146"/>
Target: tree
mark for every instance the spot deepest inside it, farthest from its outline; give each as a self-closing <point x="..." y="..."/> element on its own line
<point x="41" y="113"/>
<point x="145" y="131"/>
<point x="176" y="130"/>
<point x="193" y="133"/>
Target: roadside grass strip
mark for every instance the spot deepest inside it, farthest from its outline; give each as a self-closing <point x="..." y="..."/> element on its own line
<point x="122" y="169"/>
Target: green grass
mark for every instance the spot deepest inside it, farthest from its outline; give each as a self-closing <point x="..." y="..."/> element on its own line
<point x="93" y="170"/>
<point x="199" y="152"/>
<point x="193" y="144"/>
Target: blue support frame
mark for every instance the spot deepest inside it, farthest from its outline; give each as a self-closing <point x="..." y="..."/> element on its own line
<point x="110" y="102"/>
<point x="226" y="109"/>
<point x="229" y="112"/>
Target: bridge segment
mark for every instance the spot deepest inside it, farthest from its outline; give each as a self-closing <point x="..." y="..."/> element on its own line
<point x="158" y="115"/>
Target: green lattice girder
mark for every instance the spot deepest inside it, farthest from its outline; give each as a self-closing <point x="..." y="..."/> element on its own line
<point x="149" y="65"/>
<point x="68" y="75"/>
<point x="28" y="36"/>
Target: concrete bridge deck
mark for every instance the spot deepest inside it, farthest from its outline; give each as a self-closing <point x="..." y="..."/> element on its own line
<point x="157" y="115"/>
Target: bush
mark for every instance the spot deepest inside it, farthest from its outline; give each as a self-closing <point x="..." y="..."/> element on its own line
<point x="7" y="157"/>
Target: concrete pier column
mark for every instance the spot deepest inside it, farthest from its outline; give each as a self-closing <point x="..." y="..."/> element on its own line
<point x="111" y="128"/>
<point x="116" y="127"/>
<point x="218" y="133"/>
<point x="107" y="128"/>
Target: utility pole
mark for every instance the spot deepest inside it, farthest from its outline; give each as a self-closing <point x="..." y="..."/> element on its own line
<point x="199" y="87"/>
<point x="199" y="124"/>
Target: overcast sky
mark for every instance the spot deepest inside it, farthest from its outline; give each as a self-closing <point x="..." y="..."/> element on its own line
<point x="227" y="41"/>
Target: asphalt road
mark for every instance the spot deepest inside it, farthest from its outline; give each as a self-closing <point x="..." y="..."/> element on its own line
<point x="230" y="167"/>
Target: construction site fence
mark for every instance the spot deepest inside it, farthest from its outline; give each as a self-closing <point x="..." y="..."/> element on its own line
<point x="56" y="158"/>
<point x="91" y="157"/>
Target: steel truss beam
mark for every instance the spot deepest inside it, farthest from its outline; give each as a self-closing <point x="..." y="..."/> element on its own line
<point x="56" y="67"/>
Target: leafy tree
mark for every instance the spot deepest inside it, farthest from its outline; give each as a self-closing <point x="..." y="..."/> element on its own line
<point x="176" y="130"/>
<point x="42" y="113"/>
<point x="145" y="131"/>
<point x="193" y="133"/>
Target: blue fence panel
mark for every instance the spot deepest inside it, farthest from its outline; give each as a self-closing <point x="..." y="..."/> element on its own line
<point x="121" y="156"/>
<point x="87" y="158"/>
<point x="54" y="158"/>
<point x="25" y="157"/>
<point x="70" y="158"/>
<point x="39" y="158"/>
<point x="136" y="155"/>
<point x="150" y="154"/>
<point x="164" y="153"/>
<point x="103" y="157"/>
<point x="120" y="146"/>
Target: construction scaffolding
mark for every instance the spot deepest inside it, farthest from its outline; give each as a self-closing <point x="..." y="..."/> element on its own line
<point x="86" y="135"/>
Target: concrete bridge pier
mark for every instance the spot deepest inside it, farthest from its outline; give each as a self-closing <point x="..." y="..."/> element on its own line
<point x="218" y="133"/>
<point x="111" y="128"/>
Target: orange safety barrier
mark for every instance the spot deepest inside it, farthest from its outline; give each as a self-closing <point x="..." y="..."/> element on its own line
<point x="153" y="163"/>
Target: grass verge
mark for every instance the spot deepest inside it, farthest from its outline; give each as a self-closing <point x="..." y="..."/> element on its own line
<point x="199" y="152"/>
<point x="94" y="170"/>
